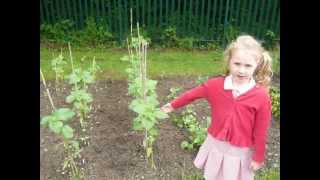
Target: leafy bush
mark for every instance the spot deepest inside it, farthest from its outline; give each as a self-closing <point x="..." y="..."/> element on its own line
<point x="270" y="39"/>
<point x="169" y="37"/>
<point x="231" y="33"/>
<point x="56" y="122"/>
<point x="94" y="33"/>
<point x="197" y="133"/>
<point x="212" y="46"/>
<point x="186" y="43"/>
<point x="268" y="174"/>
<point x="142" y="32"/>
<point x="57" y="66"/>
<point x="275" y="98"/>
<point x="60" y="32"/>
<point x="276" y="61"/>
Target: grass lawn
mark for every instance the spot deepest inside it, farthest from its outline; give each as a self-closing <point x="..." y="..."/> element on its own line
<point x="160" y="62"/>
<point x="168" y="62"/>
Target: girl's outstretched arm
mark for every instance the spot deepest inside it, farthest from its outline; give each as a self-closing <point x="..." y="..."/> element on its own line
<point x="191" y="95"/>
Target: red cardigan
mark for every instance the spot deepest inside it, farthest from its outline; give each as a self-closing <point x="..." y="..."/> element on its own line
<point x="243" y="121"/>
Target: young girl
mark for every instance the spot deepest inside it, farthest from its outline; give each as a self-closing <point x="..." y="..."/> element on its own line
<point x="241" y="113"/>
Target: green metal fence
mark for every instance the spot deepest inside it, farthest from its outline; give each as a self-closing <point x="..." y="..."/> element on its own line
<point x="202" y="19"/>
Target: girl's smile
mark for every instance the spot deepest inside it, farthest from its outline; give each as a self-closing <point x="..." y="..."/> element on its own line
<point x="242" y="66"/>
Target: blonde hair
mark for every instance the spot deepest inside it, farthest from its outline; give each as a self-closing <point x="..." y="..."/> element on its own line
<point x="263" y="73"/>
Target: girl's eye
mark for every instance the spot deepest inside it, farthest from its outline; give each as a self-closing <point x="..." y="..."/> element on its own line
<point x="248" y="65"/>
<point x="237" y="64"/>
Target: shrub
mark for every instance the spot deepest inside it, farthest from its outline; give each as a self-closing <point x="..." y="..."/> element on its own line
<point x="268" y="174"/>
<point x="275" y="98"/>
<point x="169" y="37"/>
<point x="60" y="32"/>
<point x="270" y="39"/>
<point x="186" y="43"/>
<point x="94" y="33"/>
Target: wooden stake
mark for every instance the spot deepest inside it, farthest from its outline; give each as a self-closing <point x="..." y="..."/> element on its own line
<point x="48" y="92"/>
<point x="71" y="57"/>
<point x="131" y="20"/>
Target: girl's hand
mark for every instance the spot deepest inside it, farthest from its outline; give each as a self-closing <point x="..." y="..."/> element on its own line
<point x="167" y="108"/>
<point x="255" y="165"/>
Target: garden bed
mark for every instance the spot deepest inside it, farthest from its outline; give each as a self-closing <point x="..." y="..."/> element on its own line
<point x="115" y="150"/>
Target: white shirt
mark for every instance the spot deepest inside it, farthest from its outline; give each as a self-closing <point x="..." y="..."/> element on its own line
<point x="239" y="90"/>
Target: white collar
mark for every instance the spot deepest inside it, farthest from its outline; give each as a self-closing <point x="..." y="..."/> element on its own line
<point x="242" y="89"/>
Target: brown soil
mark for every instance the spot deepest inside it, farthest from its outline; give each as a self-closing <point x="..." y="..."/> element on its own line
<point x="115" y="150"/>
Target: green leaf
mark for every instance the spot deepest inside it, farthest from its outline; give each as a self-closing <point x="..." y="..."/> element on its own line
<point x="148" y="124"/>
<point x="134" y="42"/>
<point x="87" y="97"/>
<point x="45" y="120"/>
<point x="149" y="114"/>
<point x="55" y="126"/>
<point x="190" y="146"/>
<point x="134" y="88"/>
<point x="192" y="127"/>
<point x="135" y="102"/>
<point x="153" y="132"/>
<point x="196" y="140"/>
<point x="67" y="132"/>
<point x="184" y="144"/>
<point x="75" y="144"/>
<point x="78" y="105"/>
<point x="64" y="114"/>
<point x="151" y="84"/>
<point x="138" y="107"/>
<point x="137" y="125"/>
<point x="87" y="77"/>
<point x="73" y="78"/>
<point x="152" y="100"/>
<point x="70" y="98"/>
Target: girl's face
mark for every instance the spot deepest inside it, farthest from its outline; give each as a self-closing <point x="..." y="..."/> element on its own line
<point x="242" y="66"/>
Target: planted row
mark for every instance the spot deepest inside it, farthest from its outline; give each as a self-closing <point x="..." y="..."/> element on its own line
<point x="59" y="121"/>
<point x="142" y="89"/>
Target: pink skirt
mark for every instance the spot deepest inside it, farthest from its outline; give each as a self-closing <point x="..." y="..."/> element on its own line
<point x="223" y="161"/>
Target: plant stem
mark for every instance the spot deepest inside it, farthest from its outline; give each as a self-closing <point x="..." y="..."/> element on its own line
<point x="70" y="159"/>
